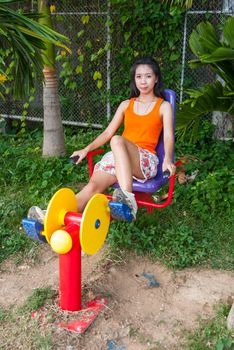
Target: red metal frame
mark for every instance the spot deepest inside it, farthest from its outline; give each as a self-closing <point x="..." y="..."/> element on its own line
<point x="70" y="266"/>
<point x="90" y="159"/>
<point x="143" y="199"/>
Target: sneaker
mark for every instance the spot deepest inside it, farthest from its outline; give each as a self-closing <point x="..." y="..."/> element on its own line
<point x="36" y="213"/>
<point x="127" y="198"/>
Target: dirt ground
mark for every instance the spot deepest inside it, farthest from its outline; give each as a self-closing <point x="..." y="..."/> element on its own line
<point x="137" y="316"/>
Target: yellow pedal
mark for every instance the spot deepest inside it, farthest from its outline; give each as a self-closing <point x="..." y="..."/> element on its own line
<point x="63" y="201"/>
<point x="95" y="224"/>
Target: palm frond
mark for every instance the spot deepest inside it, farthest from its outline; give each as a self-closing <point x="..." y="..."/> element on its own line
<point x="218" y="55"/>
<point x="47" y="38"/>
<point x="26" y="38"/>
<point x="209" y="50"/>
<point x="204" y="39"/>
<point x="209" y="98"/>
<point x="228" y="31"/>
<point x="9" y="17"/>
<point x="9" y="1"/>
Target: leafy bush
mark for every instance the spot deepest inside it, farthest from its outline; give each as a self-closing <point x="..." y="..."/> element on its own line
<point x="214" y="193"/>
<point x="174" y="242"/>
<point x="144" y="28"/>
<point x="213" y="188"/>
<point x="27" y="179"/>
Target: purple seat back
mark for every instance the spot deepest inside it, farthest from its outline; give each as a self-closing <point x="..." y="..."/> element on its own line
<point x="170" y="96"/>
<point x="154" y="184"/>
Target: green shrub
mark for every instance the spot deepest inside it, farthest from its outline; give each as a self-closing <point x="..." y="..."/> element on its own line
<point x="213" y="189"/>
<point x="175" y="244"/>
<point x="28" y="179"/>
<point x="144" y="28"/>
<point x="214" y="193"/>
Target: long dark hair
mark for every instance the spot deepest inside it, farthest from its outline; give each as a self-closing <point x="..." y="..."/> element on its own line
<point x="158" y="87"/>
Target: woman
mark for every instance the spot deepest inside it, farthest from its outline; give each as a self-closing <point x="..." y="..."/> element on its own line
<point x="132" y="154"/>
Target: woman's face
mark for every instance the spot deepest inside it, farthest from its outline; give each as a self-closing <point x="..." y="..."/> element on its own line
<point x="145" y="79"/>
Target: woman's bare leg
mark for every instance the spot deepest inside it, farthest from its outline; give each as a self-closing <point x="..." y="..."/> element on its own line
<point x="127" y="161"/>
<point x="127" y="164"/>
<point x="98" y="183"/>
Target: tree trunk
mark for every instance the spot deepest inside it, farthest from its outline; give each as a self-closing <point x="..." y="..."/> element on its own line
<point x="53" y="137"/>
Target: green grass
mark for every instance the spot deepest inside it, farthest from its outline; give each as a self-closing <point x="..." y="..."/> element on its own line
<point x="27" y="179"/>
<point x="37" y="300"/>
<point x="195" y="230"/>
<point x="19" y="330"/>
<point x="178" y="238"/>
<point x="212" y="333"/>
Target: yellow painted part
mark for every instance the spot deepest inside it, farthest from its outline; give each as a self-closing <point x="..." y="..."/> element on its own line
<point x="61" y="242"/>
<point x="96" y="212"/>
<point x="63" y="200"/>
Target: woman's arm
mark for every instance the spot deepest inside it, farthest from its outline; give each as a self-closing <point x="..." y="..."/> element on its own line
<point x="168" y="134"/>
<point x="106" y="135"/>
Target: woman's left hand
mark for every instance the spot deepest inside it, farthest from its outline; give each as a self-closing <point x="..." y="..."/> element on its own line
<point x="168" y="165"/>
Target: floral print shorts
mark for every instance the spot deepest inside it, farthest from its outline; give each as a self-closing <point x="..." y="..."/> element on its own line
<point x="148" y="164"/>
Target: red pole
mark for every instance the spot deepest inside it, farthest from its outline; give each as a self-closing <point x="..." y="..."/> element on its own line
<point x="70" y="273"/>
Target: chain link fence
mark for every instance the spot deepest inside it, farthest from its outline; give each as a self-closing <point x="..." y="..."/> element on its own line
<point x="84" y="103"/>
<point x="85" y="22"/>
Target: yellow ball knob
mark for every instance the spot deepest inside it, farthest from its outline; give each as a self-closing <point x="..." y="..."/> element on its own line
<point x="61" y="242"/>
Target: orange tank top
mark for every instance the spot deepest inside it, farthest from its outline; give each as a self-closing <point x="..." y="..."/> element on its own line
<point x="143" y="130"/>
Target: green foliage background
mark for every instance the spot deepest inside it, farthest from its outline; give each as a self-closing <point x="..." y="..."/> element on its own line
<point x="144" y="28"/>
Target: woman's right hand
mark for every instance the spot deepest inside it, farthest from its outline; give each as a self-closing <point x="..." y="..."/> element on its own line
<point x="81" y="153"/>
